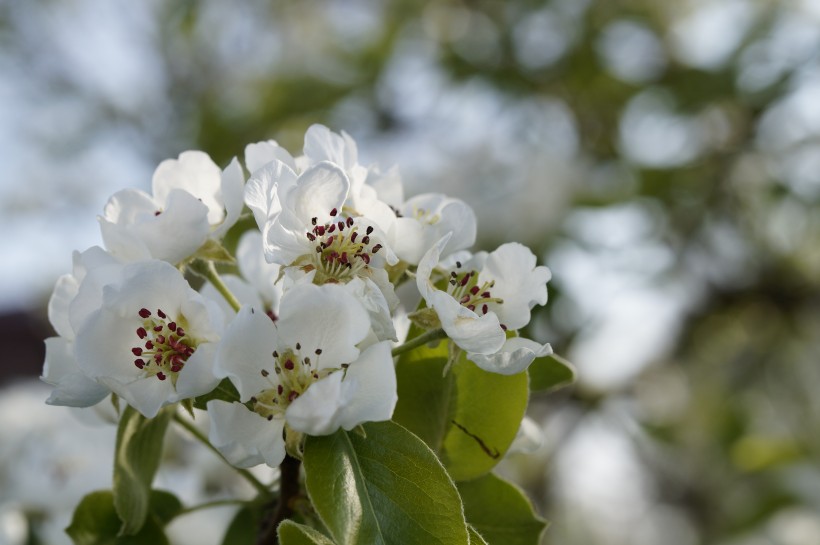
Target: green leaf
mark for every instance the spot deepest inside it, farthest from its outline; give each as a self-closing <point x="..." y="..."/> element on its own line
<point x="244" y="527"/>
<point x="550" y="373"/>
<point x="224" y="391"/>
<point x="95" y="520"/>
<point x="386" y="489"/>
<point x="469" y="417"/>
<point x="292" y="533"/>
<point x="138" y="452"/>
<point x="475" y="537"/>
<point x="500" y="512"/>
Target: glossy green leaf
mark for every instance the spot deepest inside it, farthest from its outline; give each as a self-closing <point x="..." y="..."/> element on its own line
<point x="387" y="488"/>
<point x="550" y="373"/>
<point x="244" y="527"/>
<point x="500" y="512"/>
<point x="138" y="452"/>
<point x="292" y="533"/>
<point x="470" y="416"/>
<point x="96" y="522"/>
<point x="475" y="537"/>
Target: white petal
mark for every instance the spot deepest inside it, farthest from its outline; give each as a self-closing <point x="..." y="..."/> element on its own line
<point x="65" y="290"/>
<point x="388" y="186"/>
<point x="259" y="154"/>
<point x="438" y="214"/>
<point x="243" y="437"/>
<point x="515" y="356"/>
<point x="317" y="410"/>
<point x="325" y="317"/>
<point x="473" y="333"/>
<point x="519" y="283"/>
<point x="371" y="388"/>
<point x="71" y="386"/>
<point x="197" y="377"/>
<point x="321" y="144"/>
<point x="245" y="350"/>
<point x="250" y="257"/>
<point x="371" y="297"/>
<point x="244" y="293"/>
<point x="320" y="189"/>
<point x="425" y="269"/>
<point x="147" y="396"/>
<point x="195" y="173"/>
<point x="528" y="439"/>
<point x="232" y="194"/>
<point x="262" y="192"/>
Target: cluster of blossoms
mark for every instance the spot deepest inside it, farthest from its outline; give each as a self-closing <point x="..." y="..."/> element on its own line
<point x="306" y="329"/>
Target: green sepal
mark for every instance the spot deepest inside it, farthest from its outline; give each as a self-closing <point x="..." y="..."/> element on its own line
<point x="224" y="391"/>
<point x="550" y="373"/>
<point x="95" y="520"/>
<point x="386" y="489"/>
<point x="136" y="460"/>
<point x="500" y="512"/>
<point x="469" y="417"/>
<point x="292" y="533"/>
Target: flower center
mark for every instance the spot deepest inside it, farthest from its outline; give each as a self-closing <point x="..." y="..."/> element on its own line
<point x="343" y="250"/>
<point x="464" y="287"/>
<point x="292" y="374"/>
<point x="164" y="346"/>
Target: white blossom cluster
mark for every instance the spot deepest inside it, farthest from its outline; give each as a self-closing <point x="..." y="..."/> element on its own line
<point x="305" y="331"/>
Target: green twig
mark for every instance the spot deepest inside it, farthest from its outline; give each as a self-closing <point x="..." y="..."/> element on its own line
<point x="425" y="338"/>
<point x="208" y="270"/>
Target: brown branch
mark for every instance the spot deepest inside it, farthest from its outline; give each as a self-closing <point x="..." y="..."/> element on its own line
<point x="288" y="491"/>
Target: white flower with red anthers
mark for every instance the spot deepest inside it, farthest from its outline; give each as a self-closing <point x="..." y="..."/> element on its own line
<point x="304" y="373"/>
<point x="192" y="200"/>
<point x="152" y="340"/>
<point x="484" y="296"/>
<point x="307" y="228"/>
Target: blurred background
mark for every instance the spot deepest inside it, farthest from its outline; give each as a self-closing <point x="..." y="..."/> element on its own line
<point x="662" y="158"/>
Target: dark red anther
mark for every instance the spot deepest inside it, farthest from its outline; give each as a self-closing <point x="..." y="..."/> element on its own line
<point x="298" y="346"/>
<point x="376" y="248"/>
<point x="503" y="327"/>
<point x="365" y="258"/>
<point x="289" y="364"/>
<point x="486" y="294"/>
<point x="137" y="351"/>
<point x="341" y="225"/>
<point x="349" y="222"/>
<point x="329" y="240"/>
<point x="458" y="264"/>
<point x="158" y="328"/>
<point x="158" y="358"/>
<point x="474" y="290"/>
<point x="141" y="333"/>
<point x="310" y="237"/>
<point x="366" y="240"/>
<point x="176" y="368"/>
<point x="180" y="332"/>
<point x="369" y="229"/>
<point x="157" y="212"/>
<point x="149" y="345"/>
<point x="172" y="326"/>
<point x="161" y="376"/>
<point x="319" y="249"/>
<point x="293" y="395"/>
<point x="161" y="339"/>
<point x="484" y="308"/>
<point x="453" y="274"/>
<point x="471" y="307"/>
<point x="318" y="351"/>
<point x="353" y="236"/>
<point x="343" y="259"/>
<point x="140" y="363"/>
<point x="313" y="221"/>
<point x="320" y="230"/>
<point x="334" y="212"/>
<point x="145" y="313"/>
<point x="280" y="389"/>
<point x="275" y="354"/>
<point x="331" y="228"/>
<point x="161" y="314"/>
<point x="465" y="299"/>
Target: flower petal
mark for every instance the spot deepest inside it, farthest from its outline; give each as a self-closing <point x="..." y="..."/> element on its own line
<point x="473" y="333"/>
<point x="515" y="356"/>
<point x="263" y="190"/>
<point x="519" y="282"/>
<point x="259" y="154"/>
<point x="232" y="190"/>
<point x="195" y="173"/>
<point x="71" y="386"/>
<point x="245" y="350"/>
<point x="243" y="437"/>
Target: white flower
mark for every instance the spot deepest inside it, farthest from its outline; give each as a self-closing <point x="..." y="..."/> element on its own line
<point x="152" y="339"/>
<point x="428" y="217"/>
<point x="192" y="200"/>
<point x="307" y="228"/>
<point x="484" y="297"/>
<point x="304" y="371"/>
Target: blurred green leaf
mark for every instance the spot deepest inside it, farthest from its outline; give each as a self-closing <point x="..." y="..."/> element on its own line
<point x="292" y="533"/>
<point x="550" y="373"/>
<point x="96" y="522"/>
<point x="244" y="528"/>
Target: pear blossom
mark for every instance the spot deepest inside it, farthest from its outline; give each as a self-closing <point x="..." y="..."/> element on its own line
<point x="484" y="296"/>
<point x="305" y="372"/>
<point x="152" y="339"/>
<point x="307" y="229"/>
<point x="425" y="218"/>
<point x="192" y="200"/>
